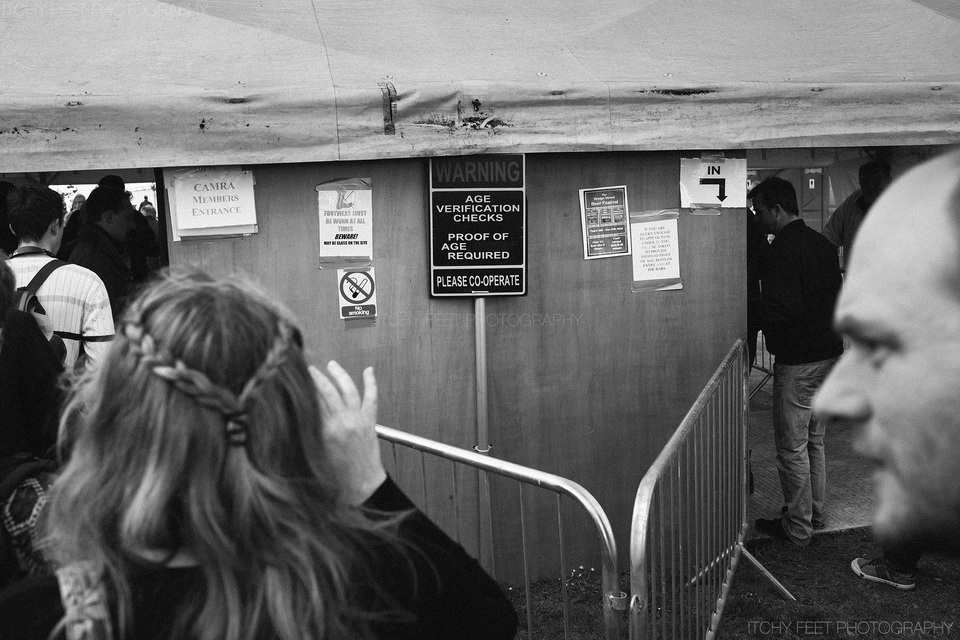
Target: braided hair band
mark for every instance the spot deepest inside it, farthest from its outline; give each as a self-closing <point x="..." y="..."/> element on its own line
<point x="196" y="384"/>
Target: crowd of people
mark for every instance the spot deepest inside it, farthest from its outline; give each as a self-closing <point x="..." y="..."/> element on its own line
<point x="892" y="308"/>
<point x="179" y="471"/>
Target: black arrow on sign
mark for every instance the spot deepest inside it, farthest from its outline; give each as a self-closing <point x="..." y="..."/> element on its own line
<point x="719" y="181"/>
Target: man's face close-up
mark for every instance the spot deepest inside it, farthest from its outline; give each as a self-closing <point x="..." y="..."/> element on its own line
<point x="898" y="382"/>
<point x="765" y="216"/>
<point x="123" y="223"/>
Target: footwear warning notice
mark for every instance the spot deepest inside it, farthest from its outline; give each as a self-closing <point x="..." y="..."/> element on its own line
<point x="346" y="219"/>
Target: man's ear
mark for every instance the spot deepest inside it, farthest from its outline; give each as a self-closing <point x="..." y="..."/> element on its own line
<point x="55" y="226"/>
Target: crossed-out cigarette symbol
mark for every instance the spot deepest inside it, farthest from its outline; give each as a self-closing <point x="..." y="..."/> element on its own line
<point x="358" y="287"/>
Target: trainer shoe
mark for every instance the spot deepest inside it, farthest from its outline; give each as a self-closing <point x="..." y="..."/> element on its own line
<point x="817" y="524"/>
<point x="876" y="570"/>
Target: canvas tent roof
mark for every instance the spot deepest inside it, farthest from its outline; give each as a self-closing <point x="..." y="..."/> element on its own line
<point x="92" y="84"/>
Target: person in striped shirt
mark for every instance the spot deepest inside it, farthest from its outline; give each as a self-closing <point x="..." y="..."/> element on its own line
<point x="74" y="298"/>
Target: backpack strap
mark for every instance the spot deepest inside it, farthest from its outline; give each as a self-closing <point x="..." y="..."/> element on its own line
<point x="42" y="275"/>
<point x="69" y="335"/>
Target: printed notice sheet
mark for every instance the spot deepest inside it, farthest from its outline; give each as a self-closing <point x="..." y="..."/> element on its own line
<point x="603" y="217"/>
<point x="346" y="219"/>
<point x="656" y="251"/>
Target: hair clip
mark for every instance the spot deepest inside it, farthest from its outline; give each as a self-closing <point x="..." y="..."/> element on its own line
<point x="236" y="429"/>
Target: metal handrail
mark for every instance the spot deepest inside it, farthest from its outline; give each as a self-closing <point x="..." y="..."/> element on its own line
<point x="614" y="600"/>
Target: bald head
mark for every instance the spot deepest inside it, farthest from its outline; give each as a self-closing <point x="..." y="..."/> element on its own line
<point x="899" y="380"/>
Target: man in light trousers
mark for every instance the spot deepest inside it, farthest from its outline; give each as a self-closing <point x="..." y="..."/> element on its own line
<point x="800" y="283"/>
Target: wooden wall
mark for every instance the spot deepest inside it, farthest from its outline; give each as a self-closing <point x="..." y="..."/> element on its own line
<point x="586" y="379"/>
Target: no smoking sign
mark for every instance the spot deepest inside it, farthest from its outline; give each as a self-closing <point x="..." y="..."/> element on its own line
<point x="358" y="293"/>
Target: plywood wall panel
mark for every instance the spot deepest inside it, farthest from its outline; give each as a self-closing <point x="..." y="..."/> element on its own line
<point x="594" y="396"/>
<point x="421" y="349"/>
<point x="586" y="378"/>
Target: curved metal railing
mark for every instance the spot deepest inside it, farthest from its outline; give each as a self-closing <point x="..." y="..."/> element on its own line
<point x="613" y="599"/>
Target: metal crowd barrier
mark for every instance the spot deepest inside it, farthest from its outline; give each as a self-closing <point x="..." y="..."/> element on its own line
<point x="690" y="515"/>
<point x="613" y="600"/>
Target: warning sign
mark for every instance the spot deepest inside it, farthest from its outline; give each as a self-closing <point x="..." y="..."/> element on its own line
<point x="478" y="225"/>
<point x="346" y="219"/>
<point x="358" y="293"/>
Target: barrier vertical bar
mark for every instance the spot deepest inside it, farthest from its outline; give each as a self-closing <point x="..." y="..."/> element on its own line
<point x="684" y="532"/>
<point x="423" y="477"/>
<point x="699" y="452"/>
<point x="456" y="496"/>
<point x="664" y="616"/>
<point x="675" y="611"/>
<point x="563" y="573"/>
<point x="716" y="532"/>
<point x="526" y="565"/>
<point x="662" y="581"/>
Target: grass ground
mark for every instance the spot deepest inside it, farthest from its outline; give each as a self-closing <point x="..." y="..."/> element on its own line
<point x="584" y="616"/>
<point x="831" y="601"/>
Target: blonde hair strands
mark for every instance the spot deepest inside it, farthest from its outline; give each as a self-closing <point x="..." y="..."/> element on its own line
<point x="154" y="467"/>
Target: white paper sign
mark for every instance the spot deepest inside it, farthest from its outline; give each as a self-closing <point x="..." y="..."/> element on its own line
<point x="713" y="183"/>
<point x="214" y="199"/>
<point x="656" y="251"/>
<point x="346" y="218"/>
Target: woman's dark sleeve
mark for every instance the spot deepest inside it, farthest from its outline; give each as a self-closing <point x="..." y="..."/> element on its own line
<point x="30" y="609"/>
<point x="455" y="597"/>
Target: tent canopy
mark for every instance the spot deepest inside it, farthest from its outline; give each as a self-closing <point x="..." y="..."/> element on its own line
<point x="143" y="83"/>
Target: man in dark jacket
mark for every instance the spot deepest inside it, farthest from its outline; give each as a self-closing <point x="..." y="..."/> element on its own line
<point x="800" y="283"/>
<point x="100" y="248"/>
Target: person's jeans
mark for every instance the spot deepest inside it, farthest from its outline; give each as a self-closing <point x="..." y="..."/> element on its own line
<point x="901" y="559"/>
<point x="801" y="462"/>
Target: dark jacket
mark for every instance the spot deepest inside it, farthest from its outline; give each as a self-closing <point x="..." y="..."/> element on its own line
<point x="143" y="248"/>
<point x="97" y="251"/>
<point x="29" y="391"/>
<point x="71" y="234"/>
<point x="801" y="282"/>
<point x="447" y="592"/>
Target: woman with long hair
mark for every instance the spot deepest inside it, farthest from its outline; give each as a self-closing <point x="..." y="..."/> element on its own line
<point x="218" y="488"/>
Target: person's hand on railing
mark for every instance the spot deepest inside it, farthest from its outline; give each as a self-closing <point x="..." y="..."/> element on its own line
<point x="349" y="423"/>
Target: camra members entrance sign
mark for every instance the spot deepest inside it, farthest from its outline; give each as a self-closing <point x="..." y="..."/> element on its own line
<point x="211" y="201"/>
<point x="478" y="226"/>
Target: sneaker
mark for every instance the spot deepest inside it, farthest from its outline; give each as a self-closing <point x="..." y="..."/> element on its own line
<point x="817" y="524"/>
<point x="877" y="571"/>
